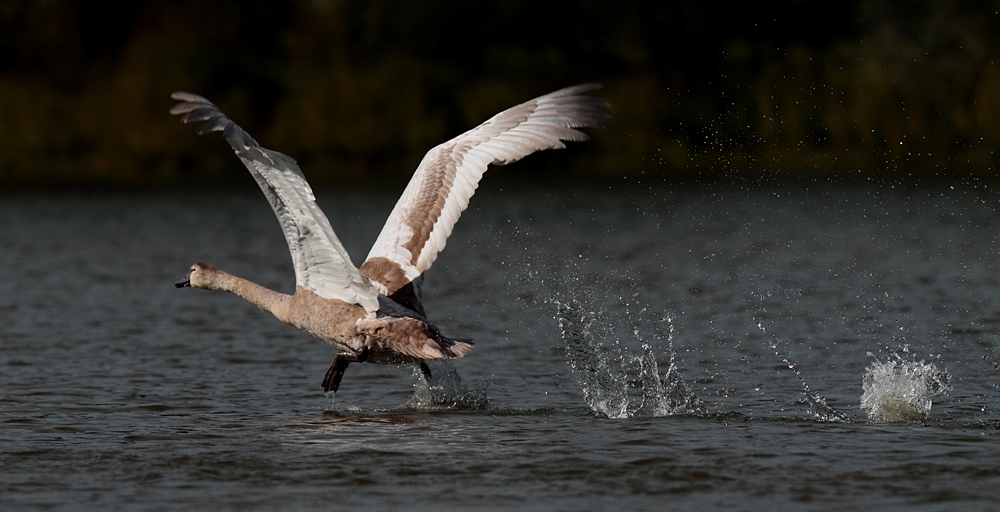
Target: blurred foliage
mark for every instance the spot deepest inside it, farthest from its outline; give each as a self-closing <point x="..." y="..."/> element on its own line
<point x="360" y="90"/>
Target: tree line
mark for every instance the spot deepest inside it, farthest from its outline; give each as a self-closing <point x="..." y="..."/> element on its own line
<point x="360" y="90"/>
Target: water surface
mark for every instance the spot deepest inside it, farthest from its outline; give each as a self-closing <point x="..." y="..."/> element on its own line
<point x="118" y="391"/>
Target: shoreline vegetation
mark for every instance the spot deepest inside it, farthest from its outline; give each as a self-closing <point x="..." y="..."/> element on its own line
<point x="359" y="91"/>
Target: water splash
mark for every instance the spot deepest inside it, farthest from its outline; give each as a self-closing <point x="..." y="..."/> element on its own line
<point x="603" y="387"/>
<point x="901" y="388"/>
<point x="821" y="410"/>
<point x="619" y="379"/>
<point x="446" y="392"/>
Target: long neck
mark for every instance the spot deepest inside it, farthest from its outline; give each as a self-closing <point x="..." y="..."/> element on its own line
<point x="269" y="300"/>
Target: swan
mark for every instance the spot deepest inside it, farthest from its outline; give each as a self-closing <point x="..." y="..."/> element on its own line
<point x="374" y="313"/>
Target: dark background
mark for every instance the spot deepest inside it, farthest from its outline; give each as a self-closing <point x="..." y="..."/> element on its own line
<point x="360" y="90"/>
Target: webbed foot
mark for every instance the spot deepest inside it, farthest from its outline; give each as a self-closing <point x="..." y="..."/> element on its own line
<point x="331" y="381"/>
<point x="426" y="370"/>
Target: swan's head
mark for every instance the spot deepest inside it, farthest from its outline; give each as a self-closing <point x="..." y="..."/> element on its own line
<point x="201" y="275"/>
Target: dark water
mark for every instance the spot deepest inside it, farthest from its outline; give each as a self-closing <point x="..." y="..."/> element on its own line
<point x="118" y="391"/>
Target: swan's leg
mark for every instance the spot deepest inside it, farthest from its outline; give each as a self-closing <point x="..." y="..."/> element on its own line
<point x="426" y="371"/>
<point x="331" y="381"/>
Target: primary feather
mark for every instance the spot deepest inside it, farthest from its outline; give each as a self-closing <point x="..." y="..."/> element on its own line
<point x="321" y="263"/>
<point x="447" y="177"/>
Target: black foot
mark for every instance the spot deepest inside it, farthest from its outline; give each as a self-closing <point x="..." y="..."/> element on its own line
<point x="331" y="381"/>
<point x="426" y="371"/>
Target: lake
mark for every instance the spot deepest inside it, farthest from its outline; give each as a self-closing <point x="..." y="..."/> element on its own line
<point x="772" y="346"/>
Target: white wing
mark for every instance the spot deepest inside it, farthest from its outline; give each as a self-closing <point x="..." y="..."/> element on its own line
<point x="322" y="265"/>
<point x="419" y="226"/>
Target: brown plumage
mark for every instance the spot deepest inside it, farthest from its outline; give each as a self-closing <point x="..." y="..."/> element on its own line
<point x="374" y="314"/>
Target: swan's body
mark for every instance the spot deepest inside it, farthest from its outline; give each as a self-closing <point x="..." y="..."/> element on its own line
<point x="374" y="313"/>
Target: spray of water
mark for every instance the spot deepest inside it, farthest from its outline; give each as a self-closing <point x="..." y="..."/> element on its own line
<point x="620" y="377"/>
<point x="901" y="388"/>
<point x="817" y="404"/>
<point x="446" y="392"/>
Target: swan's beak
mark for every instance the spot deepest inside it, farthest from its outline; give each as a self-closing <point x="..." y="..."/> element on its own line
<point x="183" y="282"/>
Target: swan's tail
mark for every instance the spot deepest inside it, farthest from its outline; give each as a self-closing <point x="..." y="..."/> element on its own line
<point x="454" y="348"/>
<point x="410" y="337"/>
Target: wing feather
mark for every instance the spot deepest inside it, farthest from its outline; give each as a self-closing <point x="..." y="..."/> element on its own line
<point x="322" y="265"/>
<point x="447" y="177"/>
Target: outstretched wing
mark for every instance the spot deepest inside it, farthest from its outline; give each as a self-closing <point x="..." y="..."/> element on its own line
<point x="438" y="193"/>
<point x="322" y="265"/>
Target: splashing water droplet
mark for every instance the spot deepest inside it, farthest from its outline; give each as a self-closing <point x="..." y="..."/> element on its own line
<point x="446" y="392"/>
<point x="821" y="410"/>
<point x="901" y="389"/>
<point x="620" y="379"/>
